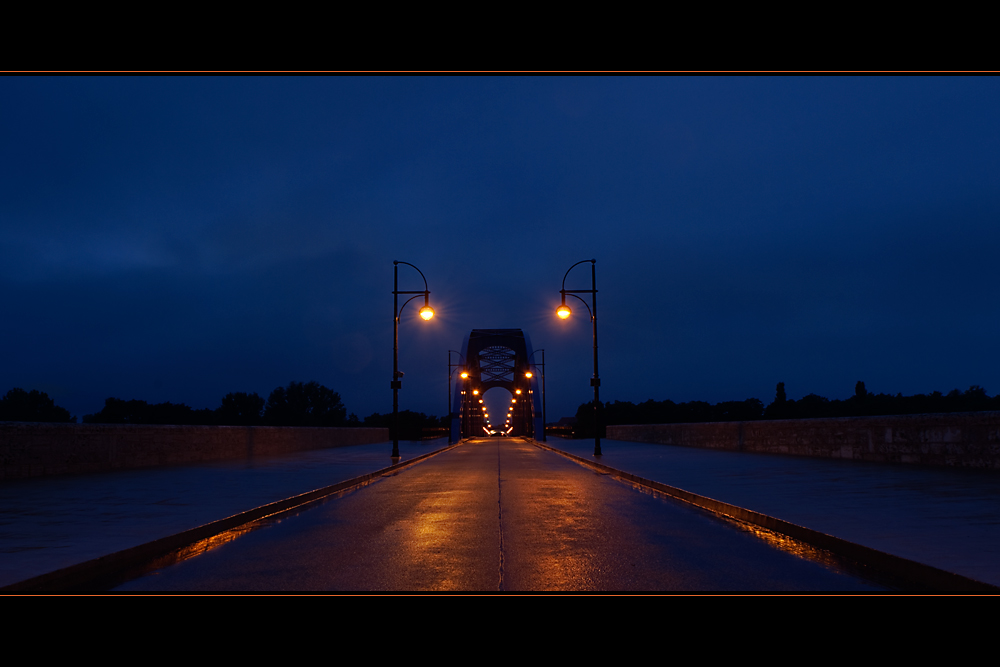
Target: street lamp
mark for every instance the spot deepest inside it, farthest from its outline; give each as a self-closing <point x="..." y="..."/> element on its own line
<point x="542" y="365"/>
<point x="563" y="312"/>
<point x="426" y="313"/>
<point x="464" y="374"/>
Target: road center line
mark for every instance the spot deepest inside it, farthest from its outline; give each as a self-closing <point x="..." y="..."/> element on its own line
<point x="500" y="513"/>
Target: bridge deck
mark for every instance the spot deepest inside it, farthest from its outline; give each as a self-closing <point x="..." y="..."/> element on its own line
<point x="497" y="515"/>
<point x="945" y="518"/>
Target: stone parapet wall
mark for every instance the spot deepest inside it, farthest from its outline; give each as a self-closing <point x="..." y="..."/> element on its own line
<point x="965" y="439"/>
<point x="33" y="450"/>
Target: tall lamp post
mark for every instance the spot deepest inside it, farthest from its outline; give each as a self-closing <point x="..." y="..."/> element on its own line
<point x="464" y="374"/>
<point x="426" y="313"/>
<point x="542" y="365"/>
<point x="564" y="312"/>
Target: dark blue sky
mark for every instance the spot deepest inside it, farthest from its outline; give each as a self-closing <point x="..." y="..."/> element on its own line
<point x="176" y="239"/>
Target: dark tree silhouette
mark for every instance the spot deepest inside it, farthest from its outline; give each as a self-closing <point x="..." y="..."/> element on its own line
<point x="309" y="404"/>
<point x="781" y="408"/>
<point x="411" y="424"/>
<point x="811" y="406"/>
<point x="240" y="409"/>
<point x="665" y="412"/>
<point x="19" y="405"/>
<point x="585" y="426"/>
<point x="117" y="411"/>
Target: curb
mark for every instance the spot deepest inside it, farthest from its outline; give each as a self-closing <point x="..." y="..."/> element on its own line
<point x="105" y="572"/>
<point x="895" y="571"/>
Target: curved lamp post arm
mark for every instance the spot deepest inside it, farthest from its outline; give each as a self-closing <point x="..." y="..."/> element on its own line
<point x="595" y="382"/>
<point x="582" y="261"/>
<point x="397" y="312"/>
<point x="418" y="271"/>
<point x="426" y="292"/>
<point x="584" y="303"/>
<point x="399" y="316"/>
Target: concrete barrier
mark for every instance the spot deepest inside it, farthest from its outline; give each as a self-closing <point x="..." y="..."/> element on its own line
<point x="963" y="439"/>
<point x="34" y="450"/>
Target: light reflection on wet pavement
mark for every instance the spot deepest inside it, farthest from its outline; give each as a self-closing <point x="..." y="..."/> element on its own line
<point x="945" y="517"/>
<point x="948" y="518"/>
<point x="54" y="522"/>
<point x="498" y="515"/>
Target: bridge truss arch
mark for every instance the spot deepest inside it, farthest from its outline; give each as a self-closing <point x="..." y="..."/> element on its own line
<point x="497" y="358"/>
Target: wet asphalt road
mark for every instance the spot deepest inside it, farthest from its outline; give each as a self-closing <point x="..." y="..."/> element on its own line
<point x="498" y="515"/>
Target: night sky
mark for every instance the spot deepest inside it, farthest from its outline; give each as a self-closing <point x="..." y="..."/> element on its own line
<point x="177" y="239"/>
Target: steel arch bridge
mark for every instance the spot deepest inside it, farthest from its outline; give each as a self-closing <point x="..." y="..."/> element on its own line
<point x="497" y="358"/>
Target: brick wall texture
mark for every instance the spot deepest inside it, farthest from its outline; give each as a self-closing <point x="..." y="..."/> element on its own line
<point x="968" y="439"/>
<point x="33" y="450"/>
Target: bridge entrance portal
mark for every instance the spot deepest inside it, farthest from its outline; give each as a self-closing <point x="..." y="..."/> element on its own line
<point x="497" y="358"/>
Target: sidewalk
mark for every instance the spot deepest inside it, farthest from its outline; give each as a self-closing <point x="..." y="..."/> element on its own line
<point x="945" y="517"/>
<point x="54" y="522"/>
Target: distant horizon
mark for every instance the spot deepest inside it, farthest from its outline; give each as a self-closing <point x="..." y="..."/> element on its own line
<point x="551" y="420"/>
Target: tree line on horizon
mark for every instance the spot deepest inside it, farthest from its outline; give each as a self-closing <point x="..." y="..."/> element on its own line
<point x="312" y="404"/>
<point x="298" y="404"/>
<point x="812" y="406"/>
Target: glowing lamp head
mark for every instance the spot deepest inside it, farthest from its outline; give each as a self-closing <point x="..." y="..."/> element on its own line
<point x="475" y="392"/>
<point x="518" y="391"/>
<point x="528" y="375"/>
<point x="563" y="311"/>
<point x="427" y="312"/>
<point x="465" y="375"/>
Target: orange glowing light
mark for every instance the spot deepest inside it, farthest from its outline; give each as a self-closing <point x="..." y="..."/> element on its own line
<point x="465" y="375"/>
<point x="563" y="311"/>
<point x="427" y="312"/>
